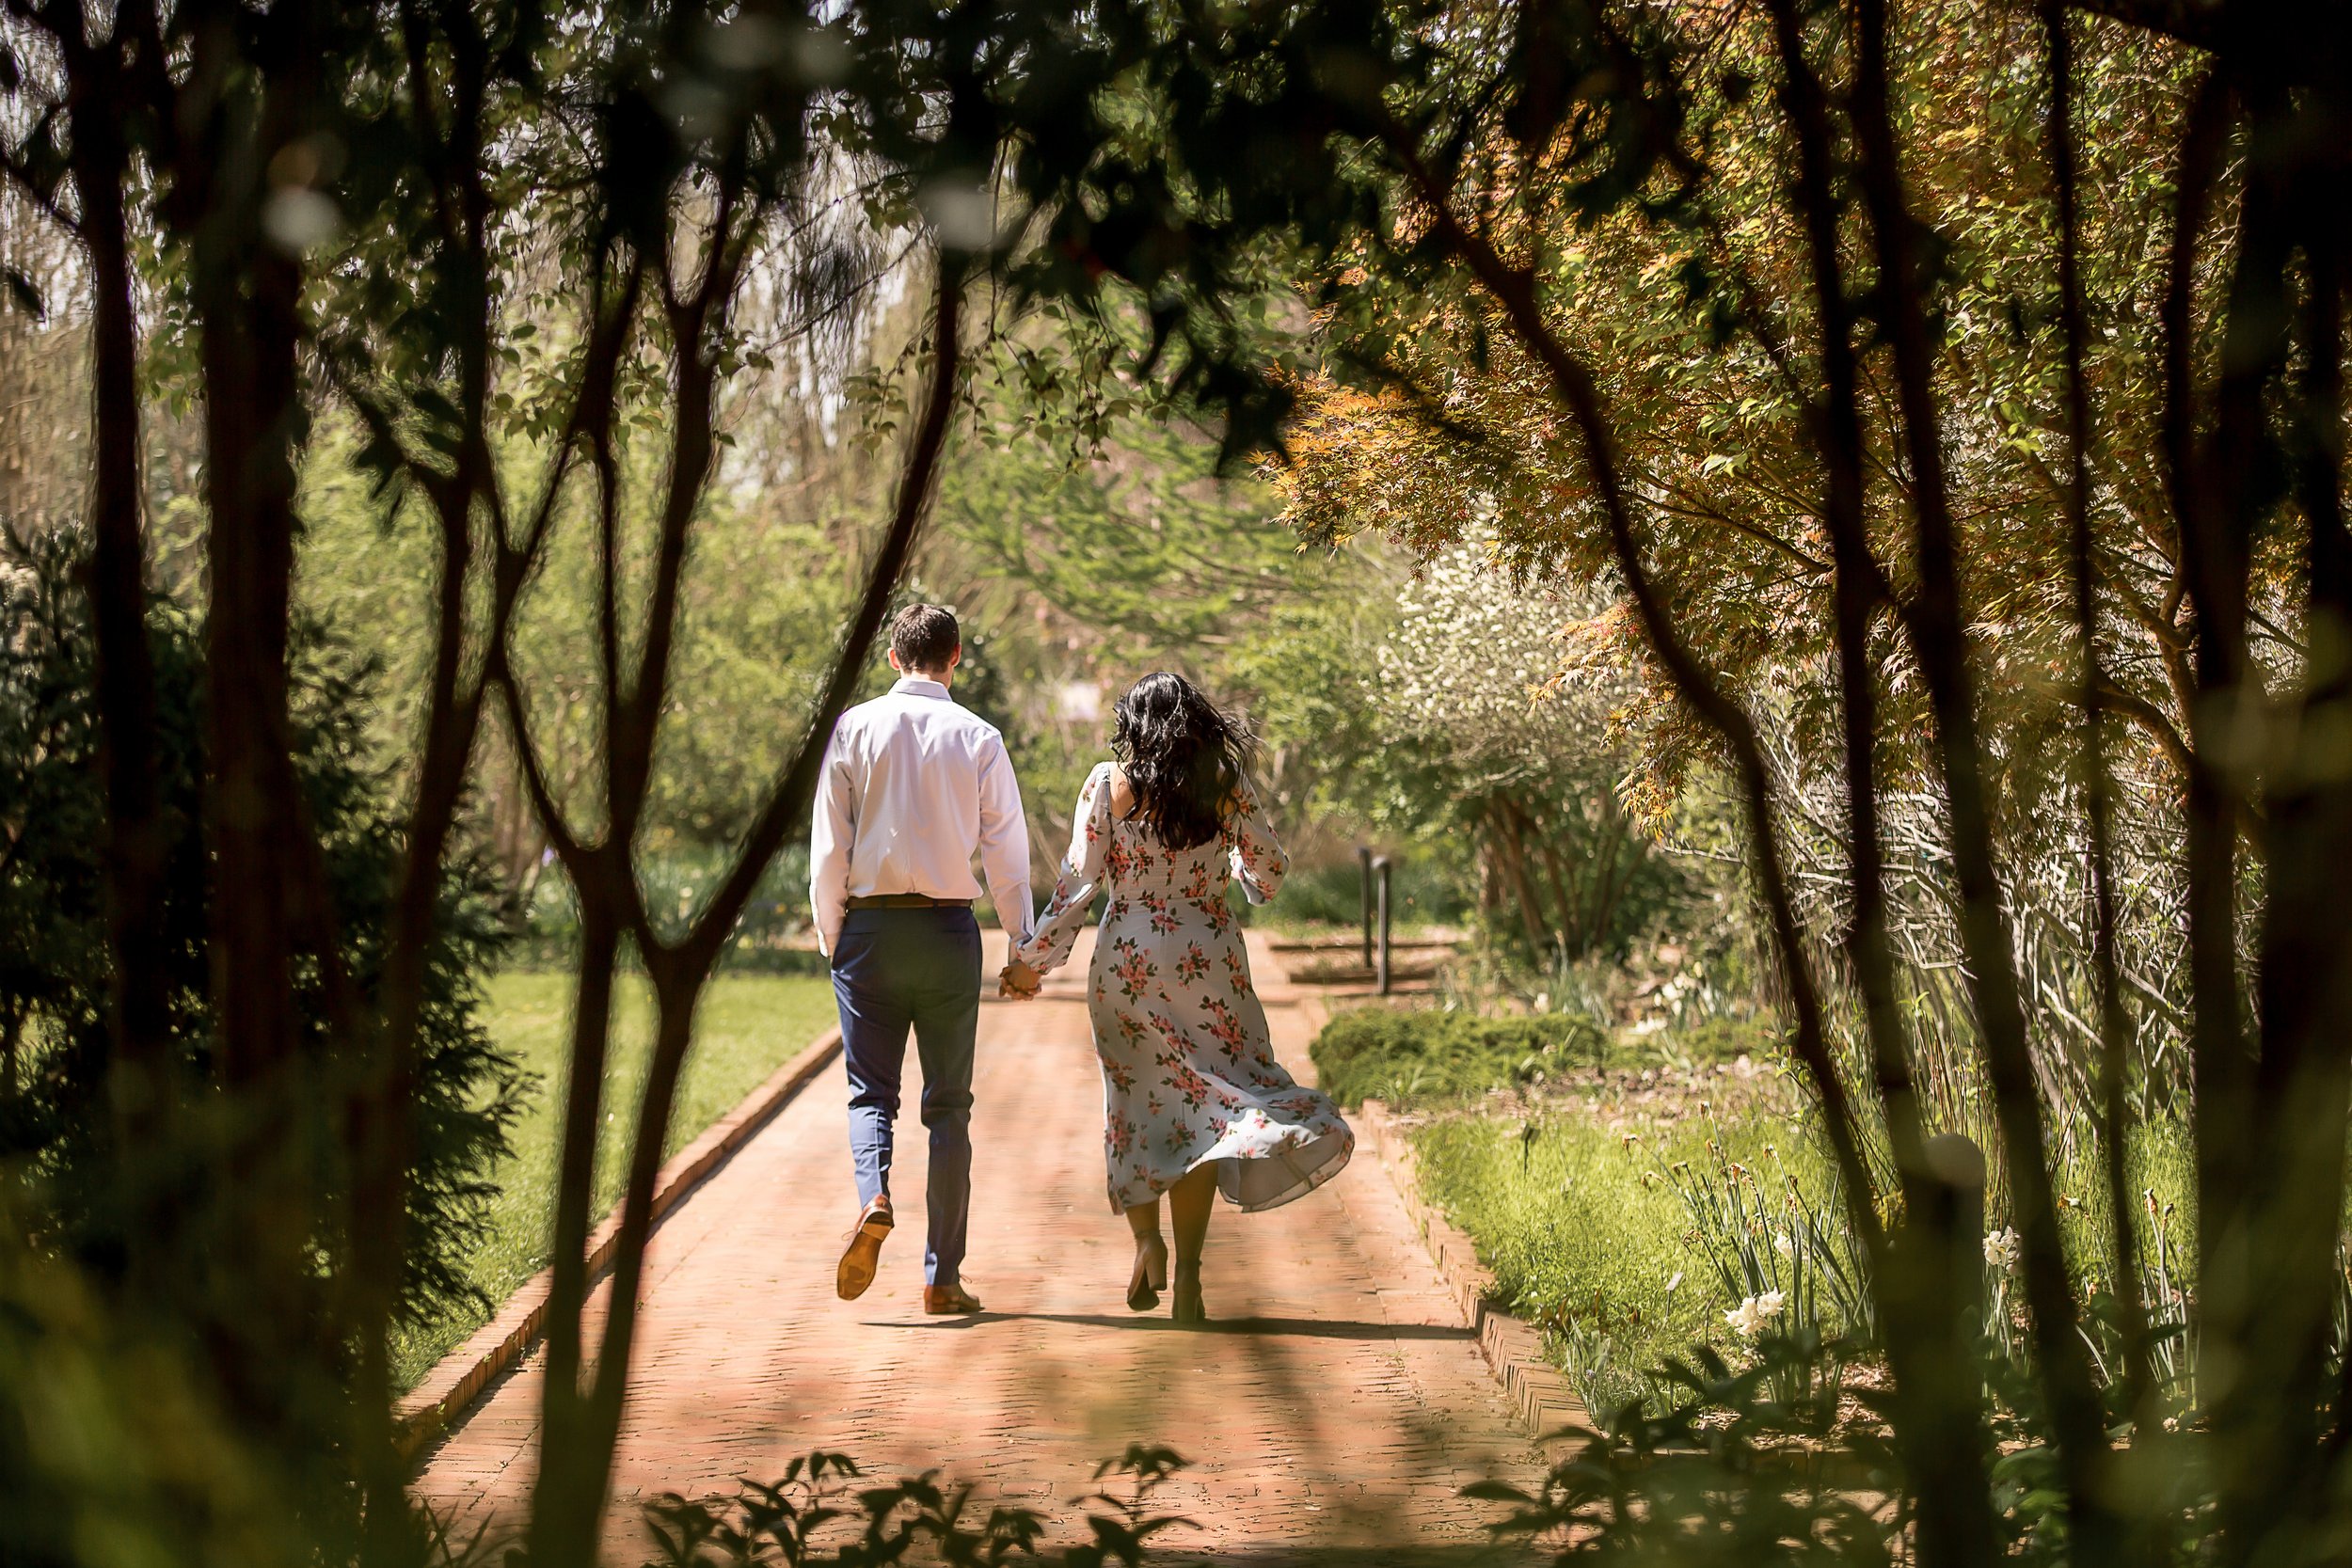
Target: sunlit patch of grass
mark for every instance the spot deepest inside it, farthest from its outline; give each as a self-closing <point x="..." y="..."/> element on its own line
<point x="749" y="1025"/>
<point x="1580" y="1244"/>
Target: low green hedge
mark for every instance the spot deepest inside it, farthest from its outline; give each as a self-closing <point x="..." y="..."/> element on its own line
<point x="1379" y="1054"/>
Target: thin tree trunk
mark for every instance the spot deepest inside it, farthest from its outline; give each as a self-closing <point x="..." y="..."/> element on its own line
<point x="245" y="301"/>
<point x="1935" y="622"/>
<point x="562" y="1520"/>
<point x="2225" y="492"/>
<point x="1514" y="291"/>
<point x="1509" y="829"/>
<point x="138" y="831"/>
<point x="582" y="1427"/>
<point x="2098" y="791"/>
<point x="2304" y="1076"/>
<point x="1929" y="1346"/>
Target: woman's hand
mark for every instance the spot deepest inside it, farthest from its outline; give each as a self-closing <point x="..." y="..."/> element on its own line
<point x="1019" y="980"/>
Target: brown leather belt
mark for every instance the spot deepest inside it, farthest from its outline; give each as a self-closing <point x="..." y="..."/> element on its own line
<point x="907" y="901"/>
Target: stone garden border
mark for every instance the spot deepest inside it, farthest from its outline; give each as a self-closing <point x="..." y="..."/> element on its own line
<point x="1547" y="1403"/>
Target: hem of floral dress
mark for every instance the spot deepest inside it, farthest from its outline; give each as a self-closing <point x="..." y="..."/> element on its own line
<point x="1307" y="1181"/>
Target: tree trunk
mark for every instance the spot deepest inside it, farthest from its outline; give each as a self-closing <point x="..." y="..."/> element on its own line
<point x="565" y="1500"/>
<point x="581" y="1428"/>
<point x="1941" y="1422"/>
<point x="1508" y="829"/>
<point x="2280" y="1319"/>
<point x="2114" y="1026"/>
<point x="1937" y="625"/>
<point x="139" y="833"/>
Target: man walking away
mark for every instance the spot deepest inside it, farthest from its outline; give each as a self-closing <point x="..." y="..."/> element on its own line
<point x="912" y="787"/>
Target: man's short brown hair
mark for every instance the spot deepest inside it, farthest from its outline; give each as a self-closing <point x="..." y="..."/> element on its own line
<point x="925" y="637"/>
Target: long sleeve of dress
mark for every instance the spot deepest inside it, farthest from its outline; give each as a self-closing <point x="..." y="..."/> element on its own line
<point x="1081" y="874"/>
<point x="1258" y="857"/>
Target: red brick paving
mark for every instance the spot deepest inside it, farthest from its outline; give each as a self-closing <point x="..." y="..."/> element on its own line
<point x="1341" y="1404"/>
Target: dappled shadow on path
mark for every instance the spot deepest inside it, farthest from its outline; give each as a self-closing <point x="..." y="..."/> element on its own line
<point x="1294" y="1328"/>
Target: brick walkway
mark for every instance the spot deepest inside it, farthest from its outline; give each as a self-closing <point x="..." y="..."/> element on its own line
<point x="1340" y="1404"/>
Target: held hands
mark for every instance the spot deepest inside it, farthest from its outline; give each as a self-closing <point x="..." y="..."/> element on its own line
<point x="1019" y="981"/>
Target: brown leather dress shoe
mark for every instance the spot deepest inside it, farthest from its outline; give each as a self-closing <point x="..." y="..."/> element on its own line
<point x="864" y="1252"/>
<point x="949" y="1301"/>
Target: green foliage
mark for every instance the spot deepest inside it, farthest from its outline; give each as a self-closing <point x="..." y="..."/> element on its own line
<point x="1425" y="888"/>
<point x="1409" y="1056"/>
<point x="74" y="1183"/>
<point x="1499" y="716"/>
<point x="821" y="1516"/>
<point x="760" y="605"/>
<point x="1731" y="1466"/>
<point x="1586" y="1245"/>
<point x="1147" y="545"/>
<point x="114" y="1448"/>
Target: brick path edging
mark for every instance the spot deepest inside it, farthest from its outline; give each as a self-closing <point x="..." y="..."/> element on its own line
<point x="433" y="1405"/>
<point x="1546" y="1400"/>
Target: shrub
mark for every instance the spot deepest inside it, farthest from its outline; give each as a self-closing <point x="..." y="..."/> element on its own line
<point x="824" y="1514"/>
<point x="1405" y="1056"/>
<point x="70" y="1181"/>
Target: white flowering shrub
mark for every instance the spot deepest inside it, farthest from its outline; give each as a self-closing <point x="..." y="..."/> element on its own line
<point x="1496" y="702"/>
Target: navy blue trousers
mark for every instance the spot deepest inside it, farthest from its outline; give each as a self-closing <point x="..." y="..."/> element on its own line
<point x="895" y="970"/>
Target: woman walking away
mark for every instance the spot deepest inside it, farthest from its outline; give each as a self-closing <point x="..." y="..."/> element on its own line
<point x="1194" y="1102"/>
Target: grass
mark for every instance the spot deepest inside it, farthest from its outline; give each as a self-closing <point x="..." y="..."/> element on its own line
<point x="1561" y="1150"/>
<point x="1545" y="1181"/>
<point x="1581" y="1244"/>
<point x="749" y="1025"/>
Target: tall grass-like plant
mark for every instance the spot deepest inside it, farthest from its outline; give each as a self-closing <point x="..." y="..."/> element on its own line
<point x="1763" y="1235"/>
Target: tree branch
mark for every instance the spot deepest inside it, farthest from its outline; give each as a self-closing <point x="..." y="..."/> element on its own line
<point x="1573" y="381"/>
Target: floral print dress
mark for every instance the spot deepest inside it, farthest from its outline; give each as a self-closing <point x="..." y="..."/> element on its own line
<point x="1188" y="1074"/>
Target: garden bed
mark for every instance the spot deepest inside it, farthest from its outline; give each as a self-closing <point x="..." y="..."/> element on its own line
<point x="1551" y="1141"/>
<point x="1637" y="1192"/>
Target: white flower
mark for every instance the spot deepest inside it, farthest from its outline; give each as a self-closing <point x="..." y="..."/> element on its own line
<point x="2001" y="1249"/>
<point x="1783" y="1243"/>
<point x="1748" y="1319"/>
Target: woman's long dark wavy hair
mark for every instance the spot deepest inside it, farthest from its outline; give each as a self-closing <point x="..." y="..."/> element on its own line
<point x="1183" y="756"/>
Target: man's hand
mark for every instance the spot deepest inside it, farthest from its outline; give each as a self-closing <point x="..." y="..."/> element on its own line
<point x="1019" y="980"/>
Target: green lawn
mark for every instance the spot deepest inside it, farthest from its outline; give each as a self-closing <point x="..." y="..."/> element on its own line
<point x="749" y="1026"/>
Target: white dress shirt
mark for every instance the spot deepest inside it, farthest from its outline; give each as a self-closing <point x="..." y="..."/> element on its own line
<point x="911" y="786"/>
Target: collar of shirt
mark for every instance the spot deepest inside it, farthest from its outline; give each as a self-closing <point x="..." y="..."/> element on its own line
<point x="914" y="685"/>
